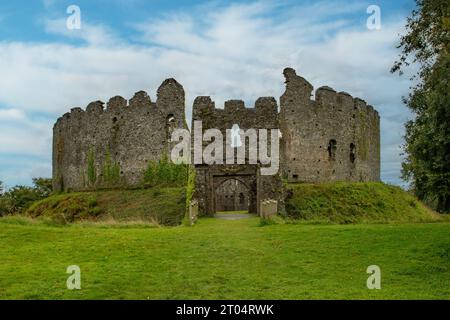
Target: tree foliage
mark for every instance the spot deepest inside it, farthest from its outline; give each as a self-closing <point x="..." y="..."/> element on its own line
<point x="427" y="139"/>
<point x="19" y="198"/>
<point x="43" y="186"/>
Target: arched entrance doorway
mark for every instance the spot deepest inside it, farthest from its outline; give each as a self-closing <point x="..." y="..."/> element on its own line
<point x="212" y="186"/>
<point x="232" y="195"/>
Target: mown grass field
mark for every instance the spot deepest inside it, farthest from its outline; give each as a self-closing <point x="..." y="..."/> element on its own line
<point x="219" y="259"/>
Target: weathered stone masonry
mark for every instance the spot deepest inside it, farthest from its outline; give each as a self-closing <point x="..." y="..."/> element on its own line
<point x="332" y="137"/>
<point x="130" y="134"/>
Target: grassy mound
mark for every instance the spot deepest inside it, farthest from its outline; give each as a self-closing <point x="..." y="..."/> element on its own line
<point x="157" y="205"/>
<point x="355" y="203"/>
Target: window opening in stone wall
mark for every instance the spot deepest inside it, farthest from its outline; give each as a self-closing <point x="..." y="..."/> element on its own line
<point x="235" y="136"/>
<point x="332" y="146"/>
<point x="352" y="152"/>
<point x="170" y="125"/>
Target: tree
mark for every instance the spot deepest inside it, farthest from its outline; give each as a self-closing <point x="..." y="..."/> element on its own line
<point x="6" y="206"/>
<point x="43" y="186"/>
<point x="2" y="188"/>
<point x="20" y="198"/>
<point x="427" y="139"/>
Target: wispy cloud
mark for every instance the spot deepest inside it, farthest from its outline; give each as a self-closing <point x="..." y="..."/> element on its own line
<point x="94" y="35"/>
<point x="11" y="114"/>
<point x="22" y="135"/>
<point x="48" y="3"/>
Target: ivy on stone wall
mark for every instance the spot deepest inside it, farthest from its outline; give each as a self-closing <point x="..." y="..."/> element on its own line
<point x="110" y="170"/>
<point x="165" y="172"/>
<point x="190" y="188"/>
<point x="91" y="171"/>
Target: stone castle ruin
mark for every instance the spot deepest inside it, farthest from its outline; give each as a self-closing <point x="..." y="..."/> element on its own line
<point x="333" y="137"/>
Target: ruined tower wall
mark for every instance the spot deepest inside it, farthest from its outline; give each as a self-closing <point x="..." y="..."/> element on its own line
<point x="332" y="138"/>
<point x="100" y="148"/>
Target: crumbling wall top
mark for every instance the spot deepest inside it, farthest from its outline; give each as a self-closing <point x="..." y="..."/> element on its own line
<point x="116" y="104"/>
<point x="169" y="92"/>
<point x="95" y="107"/>
<point x="296" y="86"/>
<point x="234" y="106"/>
<point x="140" y="99"/>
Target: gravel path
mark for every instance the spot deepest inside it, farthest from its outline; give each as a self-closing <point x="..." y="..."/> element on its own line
<point x="231" y="216"/>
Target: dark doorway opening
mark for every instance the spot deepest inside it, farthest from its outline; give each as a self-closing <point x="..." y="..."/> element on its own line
<point x="232" y="195"/>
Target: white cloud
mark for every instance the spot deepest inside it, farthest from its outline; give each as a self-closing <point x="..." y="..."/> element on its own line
<point x="22" y="135"/>
<point x="11" y="114"/>
<point x="25" y="147"/>
<point x="95" y="35"/>
<point x="21" y="169"/>
<point x="234" y="51"/>
<point x="48" y="3"/>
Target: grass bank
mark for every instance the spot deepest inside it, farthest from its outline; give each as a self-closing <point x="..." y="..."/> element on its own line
<point x="345" y="203"/>
<point x="336" y="203"/>
<point x="157" y="205"/>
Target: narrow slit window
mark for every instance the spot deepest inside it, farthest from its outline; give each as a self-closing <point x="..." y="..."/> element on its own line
<point x="352" y="152"/>
<point x="332" y="146"/>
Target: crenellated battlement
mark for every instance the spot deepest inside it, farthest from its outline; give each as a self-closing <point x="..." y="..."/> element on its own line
<point x="95" y="107"/>
<point x="263" y="114"/>
<point x="140" y="99"/>
<point x="262" y="104"/>
<point x="115" y="104"/>
<point x="169" y="91"/>
<point x="299" y="92"/>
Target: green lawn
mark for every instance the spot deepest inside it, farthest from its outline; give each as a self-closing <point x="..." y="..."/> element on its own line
<point x="219" y="259"/>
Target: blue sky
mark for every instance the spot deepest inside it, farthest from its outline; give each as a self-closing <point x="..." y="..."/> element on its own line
<point x="225" y="49"/>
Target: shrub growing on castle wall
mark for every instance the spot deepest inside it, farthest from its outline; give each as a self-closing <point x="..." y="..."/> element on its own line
<point x="166" y="173"/>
